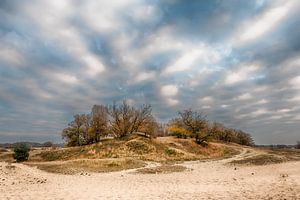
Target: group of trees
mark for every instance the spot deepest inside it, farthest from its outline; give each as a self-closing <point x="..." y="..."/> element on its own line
<point x="194" y="124"/>
<point x="116" y="120"/>
<point x="121" y="120"/>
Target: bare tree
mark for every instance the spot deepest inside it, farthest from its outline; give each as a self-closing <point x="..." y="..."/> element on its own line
<point x="150" y="127"/>
<point x="194" y="123"/>
<point x="73" y="133"/>
<point x="126" y="119"/>
<point x="98" y="123"/>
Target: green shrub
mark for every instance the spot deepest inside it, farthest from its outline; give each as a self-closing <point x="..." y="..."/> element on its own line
<point x="170" y="152"/>
<point x="21" y="152"/>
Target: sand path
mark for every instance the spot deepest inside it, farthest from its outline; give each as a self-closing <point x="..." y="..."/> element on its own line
<point x="202" y="180"/>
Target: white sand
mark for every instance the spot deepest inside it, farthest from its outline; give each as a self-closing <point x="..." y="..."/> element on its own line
<point x="204" y="180"/>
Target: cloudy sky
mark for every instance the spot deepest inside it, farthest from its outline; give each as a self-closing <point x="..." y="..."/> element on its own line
<point x="237" y="61"/>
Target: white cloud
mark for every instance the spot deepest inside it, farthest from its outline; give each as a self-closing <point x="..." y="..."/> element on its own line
<point x="66" y="78"/>
<point x="169" y="90"/>
<point x="224" y="106"/>
<point x="295" y="82"/>
<point x="206" y="107"/>
<point x="172" y="102"/>
<point x="264" y="23"/>
<point x="146" y="13"/>
<point x="56" y="27"/>
<point x="93" y="64"/>
<point x="10" y="56"/>
<point x="259" y="112"/>
<point x="143" y="76"/>
<point x="193" y="56"/>
<point x="263" y="101"/>
<point x="245" y="96"/>
<point x="207" y="99"/>
<point x="242" y="73"/>
<point x="286" y="110"/>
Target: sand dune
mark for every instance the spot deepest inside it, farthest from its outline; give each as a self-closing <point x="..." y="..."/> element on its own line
<point x="202" y="180"/>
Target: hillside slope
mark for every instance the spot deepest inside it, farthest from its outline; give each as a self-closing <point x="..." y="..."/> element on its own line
<point x="137" y="147"/>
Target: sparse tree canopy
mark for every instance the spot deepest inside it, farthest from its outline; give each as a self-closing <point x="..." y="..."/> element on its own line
<point x="191" y="123"/>
<point x="121" y="120"/>
<point x="99" y="123"/>
<point x="73" y="134"/>
<point x="126" y="119"/>
<point x="194" y="124"/>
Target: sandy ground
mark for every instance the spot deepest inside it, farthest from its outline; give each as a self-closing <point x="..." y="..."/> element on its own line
<point x="202" y="180"/>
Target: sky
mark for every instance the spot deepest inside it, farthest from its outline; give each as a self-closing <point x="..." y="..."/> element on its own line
<point x="236" y="61"/>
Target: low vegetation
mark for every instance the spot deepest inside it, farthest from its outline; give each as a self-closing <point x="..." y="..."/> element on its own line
<point x="89" y="165"/>
<point x="268" y="156"/>
<point x="3" y="150"/>
<point x="158" y="149"/>
<point x="163" y="169"/>
<point x="6" y="157"/>
<point x="21" y="152"/>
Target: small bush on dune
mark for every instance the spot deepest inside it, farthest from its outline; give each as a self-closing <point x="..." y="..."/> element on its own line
<point x="21" y="153"/>
<point x="170" y="152"/>
<point x="139" y="147"/>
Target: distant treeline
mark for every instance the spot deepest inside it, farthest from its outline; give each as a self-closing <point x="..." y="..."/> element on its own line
<point x="122" y="120"/>
<point x="194" y="124"/>
<point x="30" y="144"/>
<point x="280" y="146"/>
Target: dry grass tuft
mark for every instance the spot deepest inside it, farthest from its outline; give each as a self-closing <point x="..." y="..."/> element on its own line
<point x="163" y="169"/>
<point x="270" y="157"/>
<point x="262" y="159"/>
<point x="6" y="157"/>
<point x="139" y="147"/>
<point x="3" y="150"/>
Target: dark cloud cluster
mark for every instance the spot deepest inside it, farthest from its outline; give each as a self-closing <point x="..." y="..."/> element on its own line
<point x="237" y="61"/>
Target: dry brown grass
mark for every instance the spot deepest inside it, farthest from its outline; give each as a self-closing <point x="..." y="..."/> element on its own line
<point x="267" y="156"/>
<point x="79" y="166"/>
<point x="262" y="159"/>
<point x="6" y="157"/>
<point x="115" y="155"/>
<point x="163" y="169"/>
<point x="3" y="150"/>
<point x="159" y="149"/>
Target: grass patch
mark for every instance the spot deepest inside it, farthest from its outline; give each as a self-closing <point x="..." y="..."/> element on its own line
<point x="288" y="154"/>
<point x="271" y="157"/>
<point x="6" y="157"/>
<point x="77" y="166"/>
<point x="263" y="159"/>
<point x="229" y="152"/>
<point x="163" y="169"/>
<point x="170" y="152"/>
<point x="139" y="147"/>
<point x="159" y="149"/>
<point x="3" y="150"/>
